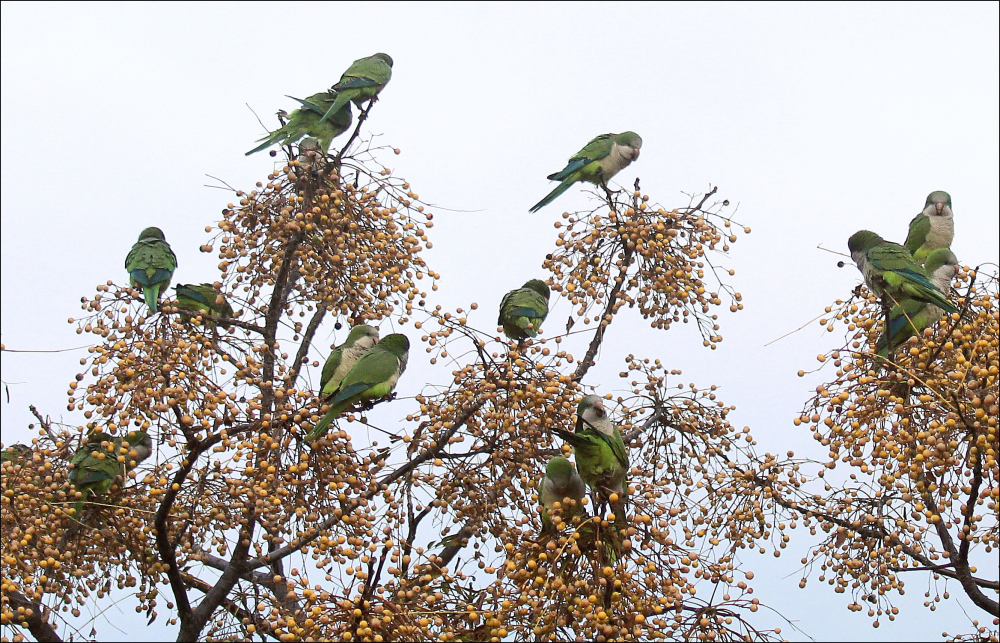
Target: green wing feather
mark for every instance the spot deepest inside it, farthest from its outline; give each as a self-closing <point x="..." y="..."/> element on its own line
<point x="202" y="297"/>
<point x="904" y="275"/>
<point x="371" y="68"/>
<point x="581" y="167"/>
<point x="150" y="265"/>
<point x="597" y="148"/>
<point x="329" y="368"/>
<point x="362" y="81"/>
<point x="617" y="447"/>
<point x="920" y="227"/>
<point x="372" y="372"/>
<point x="309" y="120"/>
<point x="600" y="463"/>
<point x="522" y="312"/>
<point x="372" y="376"/>
<point x="95" y="465"/>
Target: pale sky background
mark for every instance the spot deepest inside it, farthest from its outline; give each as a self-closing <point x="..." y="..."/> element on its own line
<point x="817" y="119"/>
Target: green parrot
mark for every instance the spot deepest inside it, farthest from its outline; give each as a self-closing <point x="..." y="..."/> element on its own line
<point x="202" y="297"/>
<point x="910" y="317"/>
<point x="601" y="455"/>
<point x="373" y="376"/>
<point x="890" y="270"/>
<point x="151" y="264"/>
<point x="95" y="465"/>
<point x="933" y="228"/>
<point x="362" y="81"/>
<point x="596" y="163"/>
<point x="561" y="481"/>
<point x="361" y="338"/>
<point x="309" y="120"/>
<point x="522" y="311"/>
<point x="15" y="453"/>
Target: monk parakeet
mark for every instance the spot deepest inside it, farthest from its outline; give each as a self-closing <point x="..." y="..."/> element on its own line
<point x="308" y="120"/>
<point x="15" y="453"/>
<point x="522" y="311"/>
<point x="362" y="81"/>
<point x="600" y="451"/>
<point x="561" y="481"/>
<point x="373" y="376"/>
<point x="339" y="363"/>
<point x="597" y="162"/>
<point x="151" y="264"/>
<point x="96" y="463"/>
<point x="890" y="270"/>
<point x="910" y="317"/>
<point x="933" y="228"/>
<point x="202" y="297"/>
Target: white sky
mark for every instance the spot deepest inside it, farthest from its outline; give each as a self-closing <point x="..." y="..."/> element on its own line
<point x="817" y="119"/>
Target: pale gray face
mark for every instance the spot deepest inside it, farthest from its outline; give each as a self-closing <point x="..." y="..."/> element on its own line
<point x="594" y="415"/>
<point x="309" y="144"/>
<point x="633" y="142"/>
<point x="368" y="339"/>
<point x="938" y="204"/>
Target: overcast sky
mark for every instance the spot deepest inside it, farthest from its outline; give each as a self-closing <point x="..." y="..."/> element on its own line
<point x="817" y="119"/>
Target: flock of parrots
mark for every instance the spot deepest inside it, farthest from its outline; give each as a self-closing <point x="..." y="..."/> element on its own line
<point x="914" y="278"/>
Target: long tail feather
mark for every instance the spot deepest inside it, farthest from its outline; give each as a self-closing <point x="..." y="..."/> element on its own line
<point x="151" y="295"/>
<point x="551" y="196"/>
<point x="270" y="140"/>
<point x="320" y="429"/>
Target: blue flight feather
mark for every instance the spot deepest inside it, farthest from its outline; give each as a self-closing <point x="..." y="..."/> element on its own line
<point x="142" y="278"/>
<point x="573" y="166"/>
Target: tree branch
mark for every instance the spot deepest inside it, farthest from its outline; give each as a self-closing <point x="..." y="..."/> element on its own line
<point x="608" y="315"/>
<point x="307" y="339"/>
<point x="263" y="626"/>
<point x="402" y="471"/>
<point x="219" y="321"/>
<point x="35" y="623"/>
<point x="264" y="579"/>
<point x="963" y="572"/>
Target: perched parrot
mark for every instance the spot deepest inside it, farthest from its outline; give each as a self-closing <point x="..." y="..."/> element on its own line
<point x="561" y="481"/>
<point x="933" y="228"/>
<point x="202" y="297"/>
<point x="597" y="162"/>
<point x="522" y="311"/>
<point x="339" y="363"/>
<point x="308" y="120"/>
<point x="600" y="451"/>
<point x="373" y="376"/>
<point x="96" y="465"/>
<point x="910" y="317"/>
<point x="15" y="453"/>
<point x="362" y="81"/>
<point x="890" y="270"/>
<point x="151" y="264"/>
